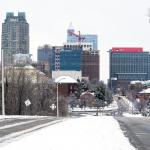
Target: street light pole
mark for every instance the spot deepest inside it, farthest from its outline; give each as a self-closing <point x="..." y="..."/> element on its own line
<point x="57" y="99"/>
<point x="57" y="102"/>
<point x="112" y="79"/>
<point x="111" y="84"/>
<point x="3" y="98"/>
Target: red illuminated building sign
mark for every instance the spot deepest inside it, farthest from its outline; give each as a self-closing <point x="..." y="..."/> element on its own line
<point x="127" y="49"/>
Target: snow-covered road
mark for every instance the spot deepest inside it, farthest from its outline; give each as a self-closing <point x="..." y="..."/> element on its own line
<point x="85" y="133"/>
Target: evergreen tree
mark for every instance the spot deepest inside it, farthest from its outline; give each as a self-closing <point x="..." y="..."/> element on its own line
<point x="100" y="94"/>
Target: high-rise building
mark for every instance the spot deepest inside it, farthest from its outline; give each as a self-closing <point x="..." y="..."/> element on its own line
<point x="44" y="58"/>
<point x="44" y="53"/>
<point x="15" y="36"/>
<point x="90" y="65"/>
<point x="70" y="58"/>
<point x="75" y="37"/>
<point x="67" y="61"/>
<point x="90" y="54"/>
<point x="128" y="64"/>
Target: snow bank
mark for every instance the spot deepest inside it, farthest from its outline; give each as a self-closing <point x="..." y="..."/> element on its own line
<point x="132" y="115"/>
<point x="85" y="133"/>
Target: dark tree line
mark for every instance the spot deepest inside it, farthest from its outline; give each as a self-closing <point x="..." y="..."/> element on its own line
<point x="22" y="85"/>
<point x="103" y="95"/>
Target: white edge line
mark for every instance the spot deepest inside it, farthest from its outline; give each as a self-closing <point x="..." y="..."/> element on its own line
<point x="20" y="123"/>
<point x="8" y="138"/>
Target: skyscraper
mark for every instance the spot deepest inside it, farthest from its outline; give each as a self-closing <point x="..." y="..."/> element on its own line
<point x="15" y="36"/>
<point x="88" y="38"/>
<point x="90" y="54"/>
<point x="90" y="65"/>
<point x="67" y="61"/>
<point x="44" y="58"/>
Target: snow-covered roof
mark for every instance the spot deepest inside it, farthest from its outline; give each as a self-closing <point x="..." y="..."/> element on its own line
<point x="28" y="67"/>
<point x="145" y="91"/>
<point x="134" y="82"/>
<point x="65" y="79"/>
<point x="87" y="93"/>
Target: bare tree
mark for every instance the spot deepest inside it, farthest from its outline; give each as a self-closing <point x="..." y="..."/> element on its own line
<point x="20" y="86"/>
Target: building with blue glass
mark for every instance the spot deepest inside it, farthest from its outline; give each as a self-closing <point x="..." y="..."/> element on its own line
<point x="44" y="58"/>
<point x="128" y="64"/>
<point x="44" y="53"/>
<point x="78" y="57"/>
<point x="67" y="61"/>
<point x="70" y="60"/>
<point x="67" y="58"/>
<point x="88" y="38"/>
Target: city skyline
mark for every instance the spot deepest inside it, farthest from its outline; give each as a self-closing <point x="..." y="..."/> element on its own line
<point x="117" y="23"/>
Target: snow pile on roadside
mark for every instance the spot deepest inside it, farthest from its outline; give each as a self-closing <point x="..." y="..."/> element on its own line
<point x="85" y="133"/>
<point x="132" y="115"/>
<point x="112" y="106"/>
<point x="83" y="109"/>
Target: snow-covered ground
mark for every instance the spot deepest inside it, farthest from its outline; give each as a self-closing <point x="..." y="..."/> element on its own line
<point x="132" y="115"/>
<point x="112" y="106"/>
<point x="85" y="133"/>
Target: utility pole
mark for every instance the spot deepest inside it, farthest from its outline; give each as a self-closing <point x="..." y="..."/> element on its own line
<point x="3" y="98"/>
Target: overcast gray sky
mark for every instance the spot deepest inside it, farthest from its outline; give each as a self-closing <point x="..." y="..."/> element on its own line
<point x="116" y="22"/>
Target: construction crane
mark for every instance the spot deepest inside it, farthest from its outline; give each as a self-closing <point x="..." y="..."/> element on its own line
<point x="80" y="39"/>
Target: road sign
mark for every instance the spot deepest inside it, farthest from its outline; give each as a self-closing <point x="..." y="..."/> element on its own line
<point x="53" y="106"/>
<point x="27" y="102"/>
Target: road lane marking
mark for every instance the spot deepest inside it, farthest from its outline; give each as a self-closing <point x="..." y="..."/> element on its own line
<point x="13" y="136"/>
<point x="18" y="124"/>
<point x="142" y="133"/>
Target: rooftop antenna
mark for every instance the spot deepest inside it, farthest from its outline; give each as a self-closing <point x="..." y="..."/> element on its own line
<point x="70" y="26"/>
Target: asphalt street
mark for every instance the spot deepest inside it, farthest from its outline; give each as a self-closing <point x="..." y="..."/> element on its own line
<point x="137" y="129"/>
<point x="9" y="127"/>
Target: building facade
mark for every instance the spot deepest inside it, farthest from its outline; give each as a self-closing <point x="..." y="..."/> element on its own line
<point x="15" y="36"/>
<point x="90" y="65"/>
<point x="128" y="64"/>
<point x="70" y="60"/>
<point x="22" y="59"/>
<point x="46" y="56"/>
<point x="44" y="53"/>
<point x="73" y="37"/>
<point x="43" y="67"/>
<point x="67" y="60"/>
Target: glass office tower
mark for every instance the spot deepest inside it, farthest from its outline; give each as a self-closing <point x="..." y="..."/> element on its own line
<point x="15" y="36"/>
<point x="88" y="38"/>
<point x="128" y="64"/>
<point x="67" y="58"/>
